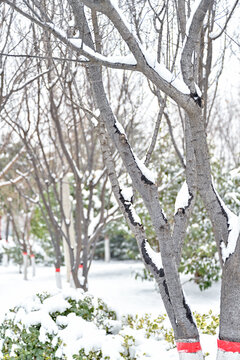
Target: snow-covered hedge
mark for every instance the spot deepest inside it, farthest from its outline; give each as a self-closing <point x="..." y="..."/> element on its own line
<point x="75" y="325"/>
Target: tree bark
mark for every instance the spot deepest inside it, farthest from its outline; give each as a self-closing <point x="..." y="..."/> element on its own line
<point x="33" y="262"/>
<point x="70" y="224"/>
<point x="230" y="299"/>
<point x="25" y="265"/>
<point x="58" y="278"/>
<point x="107" y="255"/>
<point x="227" y="355"/>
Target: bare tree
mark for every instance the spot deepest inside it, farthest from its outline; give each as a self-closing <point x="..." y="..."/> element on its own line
<point x="181" y="86"/>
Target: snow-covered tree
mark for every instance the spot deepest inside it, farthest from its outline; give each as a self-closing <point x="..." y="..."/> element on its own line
<point x="103" y="35"/>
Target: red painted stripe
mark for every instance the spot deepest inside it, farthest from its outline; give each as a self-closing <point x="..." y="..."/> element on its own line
<point x="32" y="255"/>
<point x="229" y="346"/>
<point x="191" y="347"/>
<point x="57" y="270"/>
<point x="80" y="266"/>
<point x="24" y="253"/>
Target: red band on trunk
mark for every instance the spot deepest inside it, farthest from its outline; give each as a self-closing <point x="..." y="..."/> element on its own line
<point x="57" y="269"/>
<point x="188" y="347"/>
<point x="24" y="253"/>
<point x="229" y="346"/>
<point x="32" y="255"/>
<point x="80" y="266"/>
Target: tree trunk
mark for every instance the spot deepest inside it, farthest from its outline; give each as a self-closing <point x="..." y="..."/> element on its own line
<point x="67" y="260"/>
<point x="33" y="262"/>
<point x="191" y="356"/>
<point x="58" y="278"/>
<point x="69" y="218"/>
<point x="188" y="350"/>
<point x="107" y="254"/>
<point x="25" y="265"/>
<point x="229" y="331"/>
<point x="226" y="355"/>
<point x="76" y="282"/>
<point x="228" y="350"/>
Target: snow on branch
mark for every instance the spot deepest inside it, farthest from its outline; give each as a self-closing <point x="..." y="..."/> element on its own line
<point x="165" y="74"/>
<point x="193" y="28"/>
<point x="194" y="8"/>
<point x="11" y="163"/>
<point x="183" y="199"/>
<point x="152" y="258"/>
<point x="147" y="175"/>
<point x="14" y="181"/>
<point x="151" y="59"/>
<point x="86" y="51"/>
<point x="144" y="59"/>
<point x="233" y="224"/>
<point x="126" y="198"/>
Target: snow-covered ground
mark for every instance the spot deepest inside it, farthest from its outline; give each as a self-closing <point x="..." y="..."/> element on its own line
<point x="114" y="282"/>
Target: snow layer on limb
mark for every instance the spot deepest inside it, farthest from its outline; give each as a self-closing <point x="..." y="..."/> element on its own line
<point x="183" y="198"/>
<point x="233" y="224"/>
<point x="152" y="258"/>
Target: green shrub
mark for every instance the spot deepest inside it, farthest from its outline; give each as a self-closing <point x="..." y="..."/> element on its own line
<point x="52" y="327"/>
<point x="21" y="340"/>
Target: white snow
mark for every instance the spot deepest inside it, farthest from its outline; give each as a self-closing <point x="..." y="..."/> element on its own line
<point x="135" y="215"/>
<point x="94" y="121"/>
<point x="199" y="93"/>
<point x="127" y="195"/>
<point x="194" y="8"/>
<point x="165" y="74"/>
<point x="182" y="198"/>
<point x="233" y="229"/>
<point x="120" y="127"/>
<point x="155" y="256"/>
<point x="71" y="22"/>
<point x="115" y="283"/>
<point x="88" y="52"/>
<point x="145" y="171"/>
<point x="129" y="59"/>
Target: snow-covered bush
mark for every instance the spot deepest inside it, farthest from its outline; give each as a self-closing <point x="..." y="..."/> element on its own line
<point x="55" y="326"/>
<point x="75" y="325"/>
